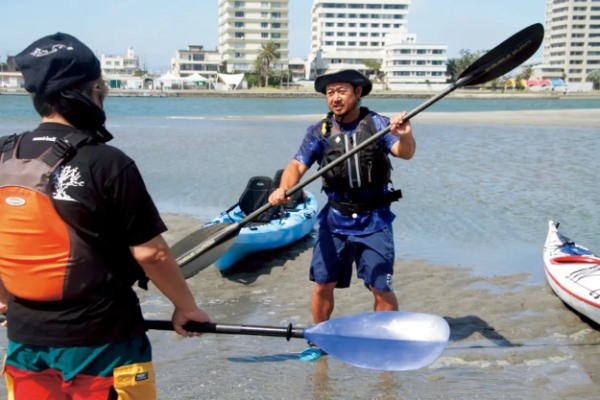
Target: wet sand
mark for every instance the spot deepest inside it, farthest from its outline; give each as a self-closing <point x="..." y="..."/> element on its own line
<point x="508" y="340"/>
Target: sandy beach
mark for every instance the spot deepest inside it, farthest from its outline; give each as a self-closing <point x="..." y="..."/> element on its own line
<point x="508" y="340"/>
<point x="581" y="118"/>
<point x="569" y="118"/>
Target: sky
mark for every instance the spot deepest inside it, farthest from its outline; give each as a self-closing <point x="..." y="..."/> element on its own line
<point x="157" y="28"/>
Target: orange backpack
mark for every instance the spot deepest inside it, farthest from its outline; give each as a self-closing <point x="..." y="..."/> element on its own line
<point x="36" y="252"/>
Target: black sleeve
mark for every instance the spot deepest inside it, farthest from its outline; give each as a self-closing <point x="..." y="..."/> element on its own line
<point x="134" y="208"/>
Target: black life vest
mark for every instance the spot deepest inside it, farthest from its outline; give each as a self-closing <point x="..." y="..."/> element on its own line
<point x="370" y="168"/>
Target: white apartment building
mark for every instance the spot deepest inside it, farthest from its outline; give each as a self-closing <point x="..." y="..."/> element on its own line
<point x="246" y="26"/>
<point x="196" y="60"/>
<point x="346" y="33"/>
<point x="571" y="41"/>
<point x="408" y="64"/>
<point x="119" y="64"/>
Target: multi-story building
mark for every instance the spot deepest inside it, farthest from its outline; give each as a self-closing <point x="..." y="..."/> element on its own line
<point x="571" y="41"/>
<point x="196" y="60"/>
<point x="346" y="33"/>
<point x="120" y="65"/>
<point x="246" y="26"/>
<point x="407" y="63"/>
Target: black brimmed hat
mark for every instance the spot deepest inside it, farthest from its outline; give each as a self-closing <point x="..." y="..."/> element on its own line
<point x="57" y="62"/>
<point x="350" y="76"/>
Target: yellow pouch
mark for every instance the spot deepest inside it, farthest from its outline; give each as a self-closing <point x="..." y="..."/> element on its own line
<point x="135" y="382"/>
<point x="9" y="381"/>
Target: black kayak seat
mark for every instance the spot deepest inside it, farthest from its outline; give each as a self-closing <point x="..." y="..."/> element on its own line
<point x="255" y="196"/>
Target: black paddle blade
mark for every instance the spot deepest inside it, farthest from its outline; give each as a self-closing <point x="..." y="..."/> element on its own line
<point x="203" y="247"/>
<point x="505" y="57"/>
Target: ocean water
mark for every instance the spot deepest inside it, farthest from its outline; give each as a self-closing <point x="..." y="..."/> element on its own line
<point x="476" y="195"/>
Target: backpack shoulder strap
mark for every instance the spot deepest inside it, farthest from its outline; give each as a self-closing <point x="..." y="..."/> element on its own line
<point x="65" y="148"/>
<point x="8" y="145"/>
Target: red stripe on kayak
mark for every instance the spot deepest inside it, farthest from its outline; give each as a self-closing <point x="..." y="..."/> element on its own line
<point x="575" y="260"/>
<point x="571" y="293"/>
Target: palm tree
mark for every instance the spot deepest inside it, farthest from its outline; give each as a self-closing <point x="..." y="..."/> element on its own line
<point x="456" y="66"/>
<point x="375" y="65"/>
<point x="268" y="54"/>
<point x="594" y="77"/>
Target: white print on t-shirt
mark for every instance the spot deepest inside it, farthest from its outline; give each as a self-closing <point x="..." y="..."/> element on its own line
<point x="64" y="178"/>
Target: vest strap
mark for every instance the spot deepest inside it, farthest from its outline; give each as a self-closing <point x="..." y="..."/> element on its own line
<point x="360" y="208"/>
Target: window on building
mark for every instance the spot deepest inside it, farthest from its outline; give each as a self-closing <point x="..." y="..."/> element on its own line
<point x="239" y="14"/>
<point x="239" y="35"/>
<point x="394" y="6"/>
<point x="239" y="24"/>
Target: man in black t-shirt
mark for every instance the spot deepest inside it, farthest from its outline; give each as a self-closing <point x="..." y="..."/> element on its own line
<point x="84" y="335"/>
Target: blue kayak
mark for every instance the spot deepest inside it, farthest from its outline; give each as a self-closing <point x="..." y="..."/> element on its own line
<point x="292" y="225"/>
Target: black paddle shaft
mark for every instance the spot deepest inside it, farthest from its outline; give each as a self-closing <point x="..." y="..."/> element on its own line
<point x="287" y="332"/>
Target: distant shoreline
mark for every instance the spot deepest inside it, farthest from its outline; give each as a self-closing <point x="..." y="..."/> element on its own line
<point x="286" y="93"/>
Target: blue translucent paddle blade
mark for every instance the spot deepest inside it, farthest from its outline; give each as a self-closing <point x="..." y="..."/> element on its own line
<point x="387" y="340"/>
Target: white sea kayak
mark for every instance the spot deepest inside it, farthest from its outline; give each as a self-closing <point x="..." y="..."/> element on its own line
<point x="573" y="273"/>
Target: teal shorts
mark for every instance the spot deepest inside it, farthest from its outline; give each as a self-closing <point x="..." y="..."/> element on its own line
<point x="97" y="360"/>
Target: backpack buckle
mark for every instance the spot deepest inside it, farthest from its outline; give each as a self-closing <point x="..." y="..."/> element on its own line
<point x="63" y="148"/>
